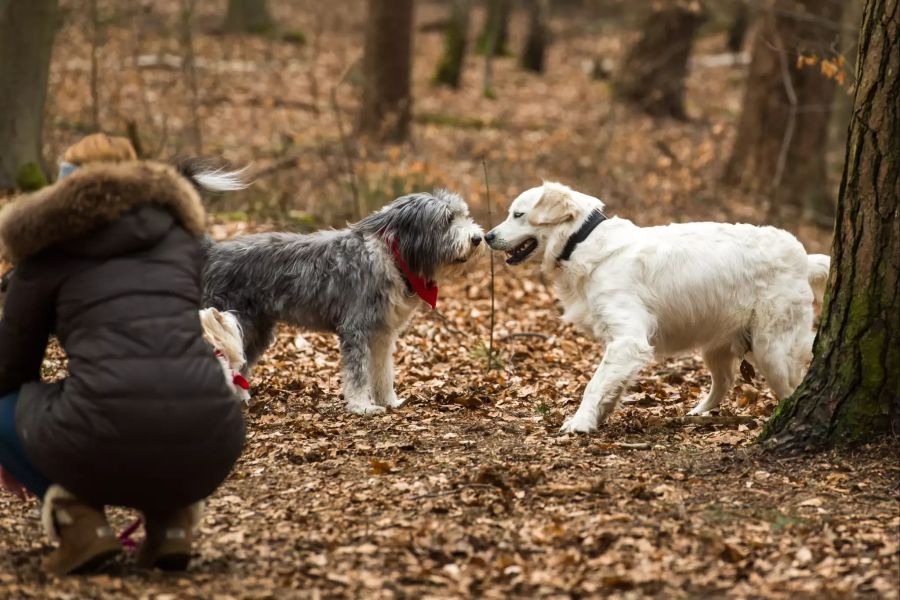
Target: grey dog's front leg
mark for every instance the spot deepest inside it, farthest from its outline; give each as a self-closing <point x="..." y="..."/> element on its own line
<point x="382" y="348"/>
<point x="356" y="363"/>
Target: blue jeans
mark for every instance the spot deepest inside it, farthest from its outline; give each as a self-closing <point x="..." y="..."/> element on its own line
<point x="12" y="454"/>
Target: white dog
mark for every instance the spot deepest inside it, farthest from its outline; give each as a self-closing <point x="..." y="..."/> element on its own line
<point x="222" y="331"/>
<point x="654" y="291"/>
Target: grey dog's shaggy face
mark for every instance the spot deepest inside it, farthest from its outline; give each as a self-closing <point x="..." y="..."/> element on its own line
<point x="346" y="281"/>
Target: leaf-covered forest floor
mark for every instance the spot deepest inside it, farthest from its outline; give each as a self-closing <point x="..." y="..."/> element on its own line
<point x="469" y="490"/>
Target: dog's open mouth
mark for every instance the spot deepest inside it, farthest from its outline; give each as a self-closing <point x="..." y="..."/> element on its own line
<point x="521" y="252"/>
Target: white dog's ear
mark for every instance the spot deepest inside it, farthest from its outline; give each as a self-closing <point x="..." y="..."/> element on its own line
<point x="554" y="207"/>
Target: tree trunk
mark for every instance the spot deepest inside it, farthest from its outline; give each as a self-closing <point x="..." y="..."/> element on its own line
<point x="536" y="40"/>
<point x="779" y="149"/>
<point x="450" y="68"/>
<point x="652" y="74"/>
<point x="851" y="392"/>
<point x="27" y="30"/>
<point x="737" y="30"/>
<point x="495" y="33"/>
<point x="248" y="16"/>
<point x="387" y="66"/>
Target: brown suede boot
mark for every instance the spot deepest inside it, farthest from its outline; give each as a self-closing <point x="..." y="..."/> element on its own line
<point x="169" y="536"/>
<point x="86" y="541"/>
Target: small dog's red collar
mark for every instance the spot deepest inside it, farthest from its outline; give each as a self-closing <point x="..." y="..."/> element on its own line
<point x="240" y="381"/>
<point x="424" y="289"/>
<point x="236" y="378"/>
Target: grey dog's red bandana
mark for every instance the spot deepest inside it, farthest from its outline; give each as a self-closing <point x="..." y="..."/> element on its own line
<point x="425" y="289"/>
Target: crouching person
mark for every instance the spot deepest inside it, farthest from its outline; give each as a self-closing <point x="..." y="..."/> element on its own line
<point x="108" y="259"/>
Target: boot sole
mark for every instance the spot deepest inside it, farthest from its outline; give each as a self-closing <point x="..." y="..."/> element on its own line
<point x="96" y="562"/>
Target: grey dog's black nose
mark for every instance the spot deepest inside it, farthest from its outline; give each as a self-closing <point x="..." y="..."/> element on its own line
<point x="476" y="239"/>
<point x="489" y="237"/>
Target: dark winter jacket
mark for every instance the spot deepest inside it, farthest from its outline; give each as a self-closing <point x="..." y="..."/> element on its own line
<point x="109" y="261"/>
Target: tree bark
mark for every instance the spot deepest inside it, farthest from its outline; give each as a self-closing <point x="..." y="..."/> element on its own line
<point x="779" y="149"/>
<point x="536" y="40"/>
<point x="449" y="70"/>
<point x="651" y="76"/>
<point x="248" y="16"/>
<point x="387" y="66"/>
<point x="27" y="30"/>
<point x="851" y="392"/>
<point x="495" y="33"/>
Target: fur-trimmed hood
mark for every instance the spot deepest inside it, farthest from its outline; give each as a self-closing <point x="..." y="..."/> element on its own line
<point x="92" y="197"/>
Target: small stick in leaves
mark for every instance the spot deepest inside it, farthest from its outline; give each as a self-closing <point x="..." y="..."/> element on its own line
<point x="487" y="189"/>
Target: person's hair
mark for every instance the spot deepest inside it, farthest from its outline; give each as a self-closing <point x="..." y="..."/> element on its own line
<point x="99" y="147"/>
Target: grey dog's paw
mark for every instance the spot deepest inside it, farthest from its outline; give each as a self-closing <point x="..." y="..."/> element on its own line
<point x="394" y="402"/>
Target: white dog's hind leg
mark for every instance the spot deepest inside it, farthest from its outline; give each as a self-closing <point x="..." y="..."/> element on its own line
<point x="356" y="366"/>
<point x="382" y="349"/>
<point x="721" y="363"/>
<point x="621" y="362"/>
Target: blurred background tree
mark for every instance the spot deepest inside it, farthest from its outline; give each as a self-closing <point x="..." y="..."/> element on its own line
<point x="450" y="68"/>
<point x="536" y="38"/>
<point x="851" y="393"/>
<point x="779" y="149"/>
<point x="27" y="30"/>
<point x="651" y="76"/>
<point x="387" y="67"/>
<point x="248" y="16"/>
<point x="160" y="73"/>
<point x="494" y="36"/>
<point x="740" y="23"/>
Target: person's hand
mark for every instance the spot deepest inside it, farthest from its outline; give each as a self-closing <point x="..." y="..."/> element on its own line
<point x="8" y="483"/>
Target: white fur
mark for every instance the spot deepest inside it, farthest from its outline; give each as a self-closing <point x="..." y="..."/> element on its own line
<point x="220" y="180"/>
<point x="54" y="494"/>
<point x="655" y="291"/>
<point x="222" y="331"/>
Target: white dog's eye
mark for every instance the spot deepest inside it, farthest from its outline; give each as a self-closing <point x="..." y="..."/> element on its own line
<point x="516" y="215"/>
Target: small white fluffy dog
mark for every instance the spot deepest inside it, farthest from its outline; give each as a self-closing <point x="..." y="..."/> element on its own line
<point x="222" y="331"/>
<point x="655" y="291"/>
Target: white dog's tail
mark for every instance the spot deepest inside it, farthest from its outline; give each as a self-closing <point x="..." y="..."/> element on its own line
<point x="213" y="179"/>
<point x="818" y="275"/>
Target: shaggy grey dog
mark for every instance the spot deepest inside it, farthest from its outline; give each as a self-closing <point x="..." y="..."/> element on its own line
<point x="362" y="282"/>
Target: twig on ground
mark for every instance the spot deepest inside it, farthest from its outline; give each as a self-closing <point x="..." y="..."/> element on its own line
<point x="597" y="487"/>
<point x="535" y="334"/>
<point x="633" y="445"/>
<point x="487" y="189"/>
<point x="712" y="420"/>
<point x="479" y="486"/>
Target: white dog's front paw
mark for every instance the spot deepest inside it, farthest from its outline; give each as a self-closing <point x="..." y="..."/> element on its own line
<point x="701" y="409"/>
<point x="579" y="424"/>
<point x="359" y="408"/>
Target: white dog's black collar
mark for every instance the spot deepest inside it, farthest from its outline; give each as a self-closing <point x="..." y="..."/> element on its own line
<point x="595" y="218"/>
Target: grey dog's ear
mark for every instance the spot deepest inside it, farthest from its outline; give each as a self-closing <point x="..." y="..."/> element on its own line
<point x="554" y="207"/>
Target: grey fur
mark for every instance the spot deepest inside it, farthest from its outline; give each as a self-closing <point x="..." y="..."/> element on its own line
<point x="345" y="281"/>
